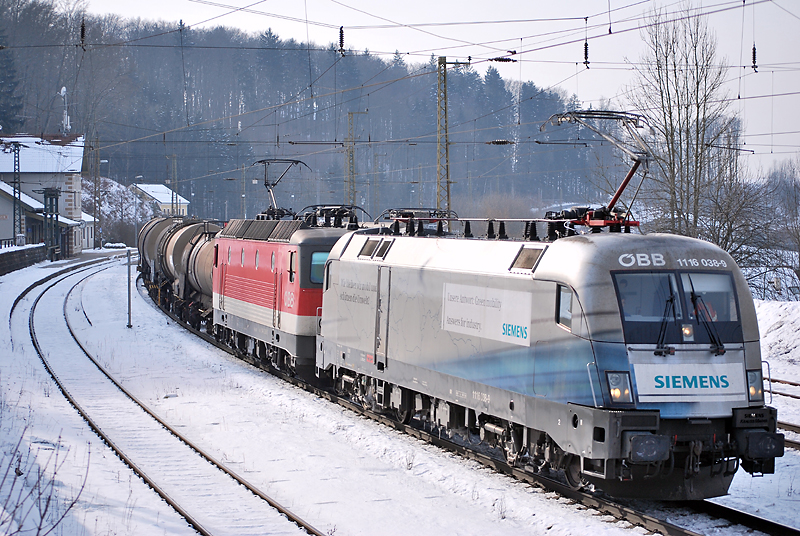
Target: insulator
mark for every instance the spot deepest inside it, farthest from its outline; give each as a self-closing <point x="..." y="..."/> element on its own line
<point x="502" y="234"/>
<point x="439" y="229"/>
<point x="410" y="227"/>
<point x="396" y="228"/>
<point x="467" y="230"/>
<point x="420" y="228"/>
<point x="755" y="65"/>
<point x="490" y="231"/>
<point x="552" y="234"/>
<point x="83" y="33"/>
<point x="533" y="236"/>
<point x="586" y="53"/>
<point x="341" y="37"/>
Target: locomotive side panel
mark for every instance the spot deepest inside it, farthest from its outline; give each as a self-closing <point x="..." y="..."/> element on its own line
<point x="483" y="340"/>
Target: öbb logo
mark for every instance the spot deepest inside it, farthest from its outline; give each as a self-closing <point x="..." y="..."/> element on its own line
<point x="641" y="259"/>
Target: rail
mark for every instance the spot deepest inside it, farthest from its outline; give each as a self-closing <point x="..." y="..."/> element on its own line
<point x="63" y="274"/>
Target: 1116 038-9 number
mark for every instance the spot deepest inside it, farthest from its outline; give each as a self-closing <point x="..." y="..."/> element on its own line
<point x="707" y="263"/>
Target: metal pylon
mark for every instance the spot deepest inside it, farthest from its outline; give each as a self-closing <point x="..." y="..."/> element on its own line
<point x="19" y="213"/>
<point x="350" y="172"/>
<point x="442" y="139"/>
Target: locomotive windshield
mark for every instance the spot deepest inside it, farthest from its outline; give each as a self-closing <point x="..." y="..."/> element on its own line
<point x="659" y="305"/>
<point x="644" y="297"/>
<point x="713" y="296"/>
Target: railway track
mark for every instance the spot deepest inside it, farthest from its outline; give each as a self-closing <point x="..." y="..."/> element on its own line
<point x="595" y="501"/>
<point x="210" y="497"/>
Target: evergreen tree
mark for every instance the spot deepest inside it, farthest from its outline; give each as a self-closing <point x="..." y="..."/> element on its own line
<point x="10" y="103"/>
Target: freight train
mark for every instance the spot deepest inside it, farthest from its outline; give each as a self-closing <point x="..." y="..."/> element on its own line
<point x="628" y="361"/>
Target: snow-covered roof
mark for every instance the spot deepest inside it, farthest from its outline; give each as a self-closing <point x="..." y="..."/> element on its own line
<point x="34" y="206"/>
<point x="161" y="193"/>
<point x="28" y="201"/>
<point x="88" y="218"/>
<point x="48" y="154"/>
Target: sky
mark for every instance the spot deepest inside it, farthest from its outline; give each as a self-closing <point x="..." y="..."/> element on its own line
<point x="548" y="38"/>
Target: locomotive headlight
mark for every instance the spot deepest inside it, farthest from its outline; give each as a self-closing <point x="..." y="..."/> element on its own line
<point x="687" y="330"/>
<point x="755" y="386"/>
<point x="619" y="387"/>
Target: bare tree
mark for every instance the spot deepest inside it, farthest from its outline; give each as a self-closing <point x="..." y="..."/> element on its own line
<point x="679" y="89"/>
<point x="784" y="179"/>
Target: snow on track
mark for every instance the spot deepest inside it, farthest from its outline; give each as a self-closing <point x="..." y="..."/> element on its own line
<point x="221" y="505"/>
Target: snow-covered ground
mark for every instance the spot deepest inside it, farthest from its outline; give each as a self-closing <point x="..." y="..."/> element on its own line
<point x="343" y="473"/>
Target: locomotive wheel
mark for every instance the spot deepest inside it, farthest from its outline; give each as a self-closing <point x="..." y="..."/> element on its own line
<point x="404" y="413"/>
<point x="572" y="471"/>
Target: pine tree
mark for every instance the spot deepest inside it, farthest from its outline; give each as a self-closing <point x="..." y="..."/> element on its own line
<point x="10" y="103"/>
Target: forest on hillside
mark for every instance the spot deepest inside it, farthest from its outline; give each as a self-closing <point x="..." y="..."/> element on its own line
<point x="198" y="109"/>
<point x="162" y="102"/>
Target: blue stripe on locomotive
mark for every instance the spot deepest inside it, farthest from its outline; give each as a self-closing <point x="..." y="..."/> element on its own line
<point x="555" y="370"/>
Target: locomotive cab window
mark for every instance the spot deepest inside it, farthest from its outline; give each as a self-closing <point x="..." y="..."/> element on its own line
<point x="564" y="306"/>
<point x="648" y="297"/>
<point x="317" y="272"/>
<point x="292" y="265"/>
<point x="327" y="275"/>
<point x="710" y="296"/>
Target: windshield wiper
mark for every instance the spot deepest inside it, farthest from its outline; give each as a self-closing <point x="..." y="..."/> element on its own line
<point x="661" y="348"/>
<point x="702" y="315"/>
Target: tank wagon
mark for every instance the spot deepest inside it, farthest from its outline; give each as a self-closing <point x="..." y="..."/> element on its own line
<point x="176" y="262"/>
<point x="629" y="361"/>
